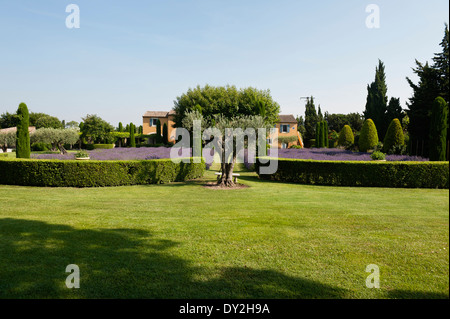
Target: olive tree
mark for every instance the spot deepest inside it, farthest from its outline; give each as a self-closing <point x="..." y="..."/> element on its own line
<point x="56" y="137"/>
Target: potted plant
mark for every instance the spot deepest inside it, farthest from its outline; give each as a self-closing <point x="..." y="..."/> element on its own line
<point x="82" y="155"/>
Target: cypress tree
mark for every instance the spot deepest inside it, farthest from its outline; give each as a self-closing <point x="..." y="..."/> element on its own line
<point x="311" y="119"/>
<point x="120" y="129"/>
<point x="165" y="134"/>
<point x="325" y="134"/>
<point x="132" y="138"/>
<point x="23" y="149"/>
<point x="376" y="105"/>
<point x="318" y="135"/>
<point x="438" y="130"/>
<point x="158" y="132"/>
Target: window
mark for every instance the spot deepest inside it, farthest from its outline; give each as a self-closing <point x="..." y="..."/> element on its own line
<point x="284" y="128"/>
<point x="153" y="122"/>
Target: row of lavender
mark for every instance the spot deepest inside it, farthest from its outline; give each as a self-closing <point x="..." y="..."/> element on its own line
<point x="163" y="152"/>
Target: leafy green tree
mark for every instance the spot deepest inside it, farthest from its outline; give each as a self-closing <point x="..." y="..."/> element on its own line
<point x="8" y="120"/>
<point x="7" y="139"/>
<point x="301" y="125"/>
<point x="23" y="148"/>
<point x="346" y="137"/>
<point x="394" y="136"/>
<point x="48" y="121"/>
<point x="438" y="131"/>
<point x="72" y="125"/>
<point x="369" y="136"/>
<point x="120" y="128"/>
<point x="56" y="137"/>
<point x="376" y="104"/>
<point x="96" y="130"/>
<point x="228" y="101"/>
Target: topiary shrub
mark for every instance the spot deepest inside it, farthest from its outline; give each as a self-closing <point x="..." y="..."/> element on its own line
<point x="394" y="137"/>
<point x="346" y="137"/>
<point x="368" y="138"/>
<point x="378" y="156"/>
<point x="23" y="148"/>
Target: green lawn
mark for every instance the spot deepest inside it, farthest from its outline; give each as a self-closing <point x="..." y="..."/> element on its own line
<point x="271" y="240"/>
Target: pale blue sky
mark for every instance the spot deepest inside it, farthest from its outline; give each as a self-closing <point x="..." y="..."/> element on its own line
<point x="132" y="56"/>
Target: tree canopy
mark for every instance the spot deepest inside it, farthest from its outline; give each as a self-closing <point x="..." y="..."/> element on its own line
<point x="228" y="101"/>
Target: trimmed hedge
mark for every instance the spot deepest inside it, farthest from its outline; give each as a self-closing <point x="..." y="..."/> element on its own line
<point x="359" y="173"/>
<point x="104" y="146"/>
<point x="55" y="173"/>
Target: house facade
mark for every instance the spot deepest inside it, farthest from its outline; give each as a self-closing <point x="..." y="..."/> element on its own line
<point x="150" y="120"/>
<point x="288" y="134"/>
<point x="286" y="128"/>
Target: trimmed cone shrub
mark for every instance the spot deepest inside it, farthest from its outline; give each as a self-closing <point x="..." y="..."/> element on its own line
<point x="346" y="137"/>
<point x="368" y="138"/>
<point x="438" y="130"/>
<point x="394" y="136"/>
<point x="23" y="149"/>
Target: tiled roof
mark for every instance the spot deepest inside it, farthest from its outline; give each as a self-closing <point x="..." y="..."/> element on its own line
<point x="287" y="118"/>
<point x="31" y="129"/>
<point x="158" y="113"/>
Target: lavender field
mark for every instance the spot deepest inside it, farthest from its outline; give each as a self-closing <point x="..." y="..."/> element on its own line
<point x="145" y="153"/>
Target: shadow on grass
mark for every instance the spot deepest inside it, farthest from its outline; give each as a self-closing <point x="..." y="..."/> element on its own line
<point x="125" y="263"/>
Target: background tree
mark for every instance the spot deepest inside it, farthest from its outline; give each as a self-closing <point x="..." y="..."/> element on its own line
<point x="96" y="130"/>
<point x="165" y="134"/>
<point x="369" y="136"/>
<point x="120" y="128"/>
<point x="319" y="135"/>
<point x="23" y="149"/>
<point x="311" y="119"/>
<point x="394" y="110"/>
<point x="325" y="134"/>
<point x="56" y="137"/>
<point x="376" y="104"/>
<point x="433" y="82"/>
<point x="438" y="130"/>
<point x="7" y="140"/>
<point x="73" y="125"/>
<point x="132" y="136"/>
<point x="301" y="125"/>
<point x="228" y="101"/>
<point x="8" y="120"/>
<point x="158" y="132"/>
<point x="48" y="121"/>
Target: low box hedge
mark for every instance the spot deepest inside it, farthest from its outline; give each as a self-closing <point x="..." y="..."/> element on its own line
<point x="359" y="173"/>
<point x="56" y="173"/>
<point x="104" y="146"/>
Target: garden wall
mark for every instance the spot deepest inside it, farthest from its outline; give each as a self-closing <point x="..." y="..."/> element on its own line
<point x="72" y="173"/>
<point x="360" y="173"/>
